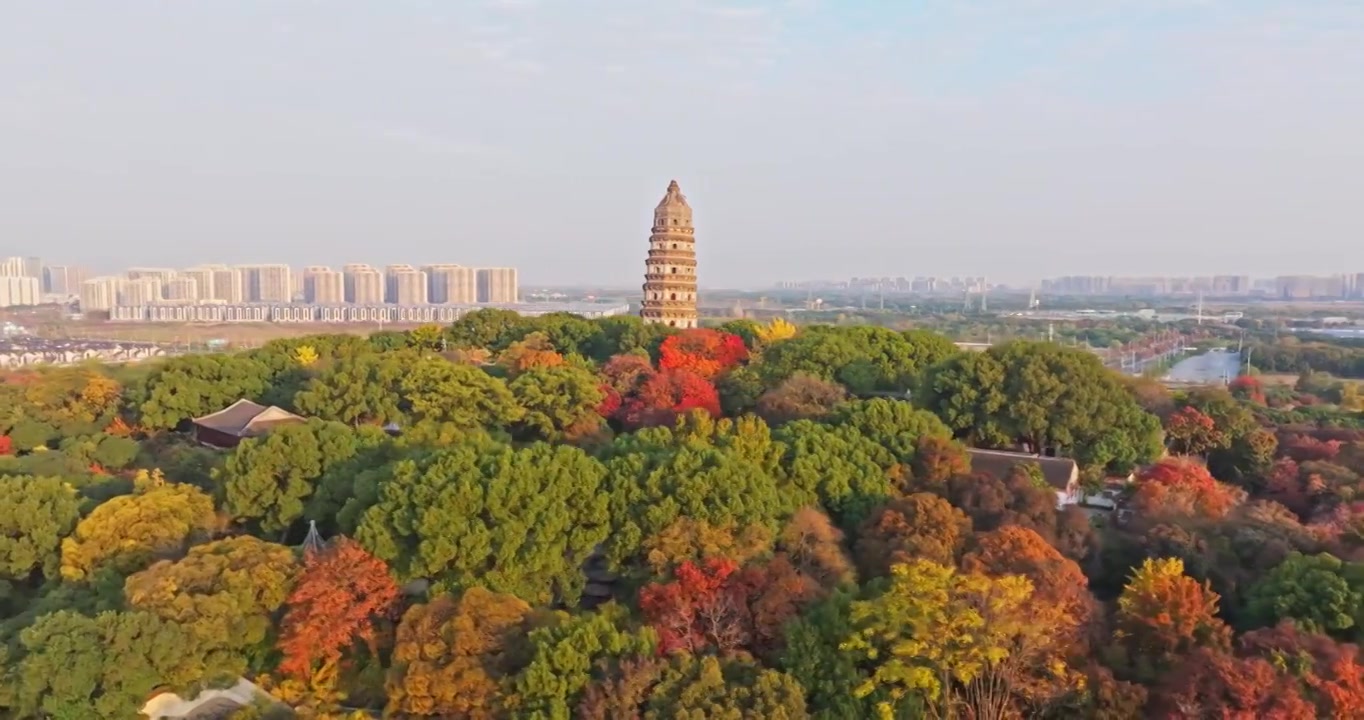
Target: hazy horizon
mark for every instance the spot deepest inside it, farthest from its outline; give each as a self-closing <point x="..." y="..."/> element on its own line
<point x="815" y="140"/>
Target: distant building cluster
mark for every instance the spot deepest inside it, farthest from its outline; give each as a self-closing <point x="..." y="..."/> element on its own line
<point x="919" y="286"/>
<point x="352" y="285"/>
<point x="380" y="313"/>
<point x="1283" y="287"/>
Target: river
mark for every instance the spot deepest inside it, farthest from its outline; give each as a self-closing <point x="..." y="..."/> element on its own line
<point x="1210" y="367"/>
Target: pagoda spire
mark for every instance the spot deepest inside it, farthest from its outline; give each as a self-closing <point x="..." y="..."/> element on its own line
<point x="670" y="269"/>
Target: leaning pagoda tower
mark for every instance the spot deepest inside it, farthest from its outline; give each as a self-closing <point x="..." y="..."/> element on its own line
<point x="670" y="270"/>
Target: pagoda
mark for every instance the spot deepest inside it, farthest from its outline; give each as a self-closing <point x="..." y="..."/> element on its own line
<point x="670" y="270"/>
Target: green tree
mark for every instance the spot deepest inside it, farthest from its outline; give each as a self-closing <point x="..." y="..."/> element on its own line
<point x="830" y="675"/>
<point x="77" y="667"/>
<point x="440" y="391"/>
<point x="862" y="358"/>
<point x="193" y="385"/>
<point x="1044" y="396"/>
<point x="358" y="389"/>
<point x="625" y="334"/>
<point x="490" y="328"/>
<point x="1311" y="590"/>
<point x="564" y="654"/>
<point x="558" y="402"/>
<point x="658" y="475"/>
<point x="569" y="334"/>
<point x="35" y="514"/>
<point x="892" y="424"/>
<point x="708" y="688"/>
<point x="518" y="521"/>
<point x="267" y="480"/>
<point x="835" y="467"/>
<point x="739" y="390"/>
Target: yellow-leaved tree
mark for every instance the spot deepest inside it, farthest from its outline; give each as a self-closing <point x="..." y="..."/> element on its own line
<point x="962" y="644"/>
<point x="777" y="330"/>
<point x="130" y="531"/>
<point x="306" y="355"/>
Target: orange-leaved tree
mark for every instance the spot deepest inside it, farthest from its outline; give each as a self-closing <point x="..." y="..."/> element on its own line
<point x="340" y="595"/>
<point x="1163" y="615"/>
<point x="703" y="351"/>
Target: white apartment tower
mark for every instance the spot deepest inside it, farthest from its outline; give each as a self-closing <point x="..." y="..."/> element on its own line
<point x="364" y="285"/>
<point x="451" y="284"/>
<point x="323" y="286"/>
<point x="267" y="283"/>
<point x="100" y="294"/>
<point x="497" y="285"/>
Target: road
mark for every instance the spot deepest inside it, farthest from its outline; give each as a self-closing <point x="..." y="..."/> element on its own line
<point x="1210" y="367"/>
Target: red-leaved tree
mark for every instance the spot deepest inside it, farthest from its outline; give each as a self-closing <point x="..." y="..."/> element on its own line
<point x="1212" y="683"/>
<point x="1182" y="486"/>
<point x="6" y="445"/>
<point x="1247" y="387"/>
<point x="1191" y="432"/>
<point x="702" y="608"/>
<point x="341" y="593"/>
<point x="1305" y="448"/>
<point x="703" y="351"/>
<point x="666" y="395"/>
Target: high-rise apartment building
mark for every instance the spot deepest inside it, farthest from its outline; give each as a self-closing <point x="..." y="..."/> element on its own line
<point x="13" y="267"/>
<point x="63" y="279"/>
<point x="162" y="274"/>
<point x="364" y="285"/>
<point x="182" y="289"/>
<point x="100" y="294"/>
<point x="670" y="268"/>
<point x="323" y="286"/>
<point x="267" y="283"/>
<point x="141" y="291"/>
<point x="452" y="284"/>
<point x="497" y="285"/>
<point x="18" y="290"/>
<point x="203" y="278"/>
<point x="404" y="285"/>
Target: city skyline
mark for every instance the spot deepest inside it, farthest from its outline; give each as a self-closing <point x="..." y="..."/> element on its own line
<point x="1012" y="140"/>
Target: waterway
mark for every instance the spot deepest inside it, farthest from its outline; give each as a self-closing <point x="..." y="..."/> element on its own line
<point x="1209" y="367"/>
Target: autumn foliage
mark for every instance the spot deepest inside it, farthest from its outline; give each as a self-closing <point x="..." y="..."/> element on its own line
<point x="1164" y="614"/>
<point x="1189" y="431"/>
<point x="1183" y="486"/>
<point x="700" y="609"/>
<point x="664" y="396"/>
<point x="702" y="351"/>
<point x="340" y="595"/>
<point x="1248" y="387"/>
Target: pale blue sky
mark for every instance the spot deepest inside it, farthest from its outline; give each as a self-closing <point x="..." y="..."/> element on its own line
<point x="816" y="139"/>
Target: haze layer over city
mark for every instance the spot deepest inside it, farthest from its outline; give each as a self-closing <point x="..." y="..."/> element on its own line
<point x="818" y="141"/>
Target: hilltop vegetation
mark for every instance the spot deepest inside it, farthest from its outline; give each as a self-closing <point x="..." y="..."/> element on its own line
<point x="559" y="518"/>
